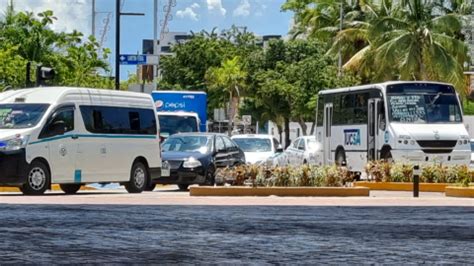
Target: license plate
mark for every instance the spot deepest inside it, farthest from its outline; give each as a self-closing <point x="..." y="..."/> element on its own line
<point x="165" y="169"/>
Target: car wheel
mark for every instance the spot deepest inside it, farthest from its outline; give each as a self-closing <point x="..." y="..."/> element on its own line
<point x="37" y="180"/>
<point x="70" y="188"/>
<point x="210" y="176"/>
<point x="183" y="186"/>
<point x="138" y="178"/>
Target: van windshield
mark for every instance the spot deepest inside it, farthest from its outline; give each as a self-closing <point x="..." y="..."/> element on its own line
<point x="14" y="116"/>
<point x="172" y="124"/>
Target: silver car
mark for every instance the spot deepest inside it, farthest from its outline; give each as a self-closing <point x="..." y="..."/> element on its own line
<point x="302" y="151"/>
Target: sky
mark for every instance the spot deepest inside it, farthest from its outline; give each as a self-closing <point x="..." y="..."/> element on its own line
<point x="262" y="17"/>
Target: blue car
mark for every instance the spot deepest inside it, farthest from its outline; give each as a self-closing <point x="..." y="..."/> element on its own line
<point x="194" y="157"/>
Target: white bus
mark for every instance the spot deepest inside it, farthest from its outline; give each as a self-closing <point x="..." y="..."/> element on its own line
<point x="75" y="136"/>
<point x="417" y="122"/>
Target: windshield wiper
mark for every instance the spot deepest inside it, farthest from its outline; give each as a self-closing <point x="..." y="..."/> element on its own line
<point x="436" y="98"/>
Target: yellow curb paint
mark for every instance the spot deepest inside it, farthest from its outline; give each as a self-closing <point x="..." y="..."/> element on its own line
<point x="464" y="192"/>
<point x="54" y="187"/>
<point x="281" y="191"/>
<point x="402" y="186"/>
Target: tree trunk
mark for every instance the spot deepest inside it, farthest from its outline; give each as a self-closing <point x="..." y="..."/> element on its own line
<point x="231" y="115"/>
<point x="280" y="131"/>
<point x="287" y="132"/>
<point x="234" y="105"/>
<point x="304" y="127"/>
<point x="313" y="126"/>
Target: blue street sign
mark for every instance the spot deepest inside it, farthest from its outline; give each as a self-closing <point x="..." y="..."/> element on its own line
<point x="132" y="59"/>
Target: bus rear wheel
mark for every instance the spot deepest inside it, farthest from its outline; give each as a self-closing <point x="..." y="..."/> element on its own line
<point x="387" y="156"/>
<point x="340" y="158"/>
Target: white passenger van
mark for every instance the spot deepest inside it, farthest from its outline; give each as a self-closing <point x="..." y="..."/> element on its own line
<point x="416" y="122"/>
<point x="75" y="136"/>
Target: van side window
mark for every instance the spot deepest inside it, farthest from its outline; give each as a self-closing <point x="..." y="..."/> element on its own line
<point x="119" y="120"/>
<point x="301" y="145"/>
<point x="60" y="122"/>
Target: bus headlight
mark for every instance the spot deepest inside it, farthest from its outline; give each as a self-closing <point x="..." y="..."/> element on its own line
<point x="191" y="162"/>
<point x="16" y="143"/>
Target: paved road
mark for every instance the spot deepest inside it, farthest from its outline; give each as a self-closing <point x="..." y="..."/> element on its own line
<point x="94" y="233"/>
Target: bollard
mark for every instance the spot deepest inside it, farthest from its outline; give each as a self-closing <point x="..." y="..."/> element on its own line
<point x="416" y="181"/>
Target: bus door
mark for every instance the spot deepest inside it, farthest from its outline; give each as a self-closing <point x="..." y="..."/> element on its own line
<point x="328" y="110"/>
<point x="372" y="128"/>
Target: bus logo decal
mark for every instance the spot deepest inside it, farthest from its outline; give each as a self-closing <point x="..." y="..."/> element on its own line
<point x="351" y="137"/>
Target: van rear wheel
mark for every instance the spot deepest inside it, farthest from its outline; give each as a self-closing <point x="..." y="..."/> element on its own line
<point x="70" y="188"/>
<point x="37" y="180"/>
<point x="138" y="178"/>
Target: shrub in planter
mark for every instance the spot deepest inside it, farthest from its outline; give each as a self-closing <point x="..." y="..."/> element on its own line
<point x="281" y="177"/>
<point x="378" y="170"/>
<point x="401" y="173"/>
<point x="332" y="176"/>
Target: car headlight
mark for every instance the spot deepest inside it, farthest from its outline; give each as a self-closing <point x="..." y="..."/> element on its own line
<point x="191" y="162"/>
<point x="16" y="143"/>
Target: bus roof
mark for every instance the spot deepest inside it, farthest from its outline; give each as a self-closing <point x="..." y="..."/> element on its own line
<point x="376" y="85"/>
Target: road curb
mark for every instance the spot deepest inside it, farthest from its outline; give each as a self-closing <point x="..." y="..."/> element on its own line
<point x="461" y="192"/>
<point x="402" y="186"/>
<point x="280" y="191"/>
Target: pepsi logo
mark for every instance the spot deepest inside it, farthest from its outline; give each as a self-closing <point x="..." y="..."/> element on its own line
<point x="159" y="104"/>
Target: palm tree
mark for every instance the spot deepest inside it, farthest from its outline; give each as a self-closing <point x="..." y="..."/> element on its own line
<point x="229" y="79"/>
<point x="410" y="40"/>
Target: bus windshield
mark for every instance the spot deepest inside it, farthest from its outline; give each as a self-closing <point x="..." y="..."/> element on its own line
<point x="423" y="105"/>
<point x="172" y="124"/>
<point x="15" y="116"/>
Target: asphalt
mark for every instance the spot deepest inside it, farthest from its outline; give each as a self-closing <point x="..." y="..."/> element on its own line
<point x="63" y="232"/>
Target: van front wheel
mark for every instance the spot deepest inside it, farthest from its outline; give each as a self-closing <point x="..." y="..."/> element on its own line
<point x="70" y="188"/>
<point x="138" y="178"/>
<point x="37" y="180"/>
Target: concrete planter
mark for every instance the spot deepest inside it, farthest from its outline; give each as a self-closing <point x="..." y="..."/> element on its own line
<point x="280" y="191"/>
<point x="464" y="192"/>
<point x="402" y="186"/>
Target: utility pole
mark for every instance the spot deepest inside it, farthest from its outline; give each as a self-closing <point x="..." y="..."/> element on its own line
<point x="93" y="18"/>
<point x="117" y="44"/>
<point x="155" y="41"/>
<point x="118" y="13"/>
<point x="341" y="20"/>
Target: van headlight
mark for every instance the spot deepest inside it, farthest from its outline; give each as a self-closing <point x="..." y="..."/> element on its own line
<point x="16" y="143"/>
<point x="191" y="162"/>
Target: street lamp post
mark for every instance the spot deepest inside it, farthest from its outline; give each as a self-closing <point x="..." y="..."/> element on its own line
<point x="118" y="13"/>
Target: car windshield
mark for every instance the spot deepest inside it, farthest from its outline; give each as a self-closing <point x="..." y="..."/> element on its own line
<point x="14" y="116"/>
<point x="172" y="124"/>
<point x="254" y="144"/>
<point x="177" y="143"/>
<point x="423" y="103"/>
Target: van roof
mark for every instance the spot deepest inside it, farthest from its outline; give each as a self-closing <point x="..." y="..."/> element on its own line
<point x="53" y="95"/>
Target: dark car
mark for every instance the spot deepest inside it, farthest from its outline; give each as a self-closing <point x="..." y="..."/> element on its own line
<point x="194" y="157"/>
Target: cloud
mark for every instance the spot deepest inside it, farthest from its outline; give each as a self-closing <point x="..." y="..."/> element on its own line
<point x="189" y="12"/>
<point x="217" y="6"/>
<point x="72" y="15"/>
<point x="243" y="10"/>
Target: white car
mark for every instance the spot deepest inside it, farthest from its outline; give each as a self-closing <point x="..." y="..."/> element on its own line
<point x="471" y="165"/>
<point x="257" y="147"/>
<point x="302" y="151"/>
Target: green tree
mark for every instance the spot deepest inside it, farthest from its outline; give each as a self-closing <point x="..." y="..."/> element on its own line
<point x="27" y="37"/>
<point x="230" y="79"/>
